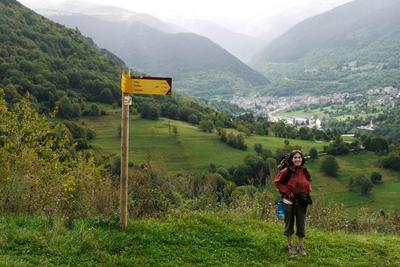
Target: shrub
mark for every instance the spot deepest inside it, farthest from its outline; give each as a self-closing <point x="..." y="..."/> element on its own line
<point x="206" y="125"/>
<point x="258" y="148"/>
<point x="313" y="153"/>
<point x="43" y="174"/>
<point x="361" y="183"/>
<point x="329" y="166"/>
<point x="376" y="178"/>
<point x="391" y="161"/>
<point x="193" y="119"/>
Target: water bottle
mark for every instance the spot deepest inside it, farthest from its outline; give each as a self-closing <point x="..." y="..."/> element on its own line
<point x="280" y="212"/>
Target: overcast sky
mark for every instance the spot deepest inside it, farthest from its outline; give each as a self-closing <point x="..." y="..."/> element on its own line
<point x="244" y="15"/>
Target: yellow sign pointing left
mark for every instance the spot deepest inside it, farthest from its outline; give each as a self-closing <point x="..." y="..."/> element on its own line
<point x="146" y="85"/>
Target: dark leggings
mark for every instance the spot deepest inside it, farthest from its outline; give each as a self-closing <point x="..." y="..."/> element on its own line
<point x="295" y="213"/>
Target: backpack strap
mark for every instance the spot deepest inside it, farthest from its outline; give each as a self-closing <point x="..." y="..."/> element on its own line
<point x="287" y="176"/>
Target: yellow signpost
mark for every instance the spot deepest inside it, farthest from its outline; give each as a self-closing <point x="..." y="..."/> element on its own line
<point x="134" y="85"/>
<point x="146" y="85"/>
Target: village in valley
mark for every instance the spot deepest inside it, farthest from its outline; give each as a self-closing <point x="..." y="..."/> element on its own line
<point x="271" y="106"/>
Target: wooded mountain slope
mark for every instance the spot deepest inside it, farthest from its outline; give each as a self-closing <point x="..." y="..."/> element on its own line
<point x="354" y="47"/>
<point x="50" y="61"/>
<point x="195" y="62"/>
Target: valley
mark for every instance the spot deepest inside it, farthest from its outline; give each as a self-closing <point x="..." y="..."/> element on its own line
<point x="192" y="151"/>
<point x="340" y="106"/>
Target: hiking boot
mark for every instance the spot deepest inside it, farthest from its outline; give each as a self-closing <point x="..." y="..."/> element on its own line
<point x="302" y="251"/>
<point x="292" y="250"/>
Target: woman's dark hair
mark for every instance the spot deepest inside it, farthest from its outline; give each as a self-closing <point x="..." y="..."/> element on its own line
<point x="291" y="155"/>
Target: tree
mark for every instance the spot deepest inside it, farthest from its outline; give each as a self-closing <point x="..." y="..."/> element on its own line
<point x="243" y="129"/>
<point x="106" y="96"/>
<point x="361" y="184"/>
<point x="154" y="113"/>
<point x="329" y="166"/>
<point x="65" y="108"/>
<point x="305" y="133"/>
<point x="376" y="178"/>
<point x="338" y="147"/>
<point x="175" y="130"/>
<point x="258" y="148"/>
<point x="172" y="111"/>
<point x="206" y="125"/>
<point x="193" y="119"/>
<point x="94" y="110"/>
<point x="377" y="144"/>
<point x="391" y="161"/>
<point x="286" y="142"/>
<point x="258" y="168"/>
<point x="313" y="153"/>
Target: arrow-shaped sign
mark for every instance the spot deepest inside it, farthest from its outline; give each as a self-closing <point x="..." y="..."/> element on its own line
<point x="146" y="85"/>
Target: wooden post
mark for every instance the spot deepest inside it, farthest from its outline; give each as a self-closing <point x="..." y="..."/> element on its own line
<point x="123" y="204"/>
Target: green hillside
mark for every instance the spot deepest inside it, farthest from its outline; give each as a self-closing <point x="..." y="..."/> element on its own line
<point x="336" y="190"/>
<point x="191" y="149"/>
<point x="351" y="48"/>
<point x="51" y="61"/>
<point x="199" y="239"/>
<point x="199" y="66"/>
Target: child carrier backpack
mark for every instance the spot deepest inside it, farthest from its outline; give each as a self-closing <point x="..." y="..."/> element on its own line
<point x="284" y="163"/>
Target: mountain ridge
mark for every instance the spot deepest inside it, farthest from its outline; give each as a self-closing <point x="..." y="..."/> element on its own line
<point x="180" y="55"/>
<point x="361" y="55"/>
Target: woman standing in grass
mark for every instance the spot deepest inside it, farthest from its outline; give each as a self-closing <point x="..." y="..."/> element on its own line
<point x="294" y="182"/>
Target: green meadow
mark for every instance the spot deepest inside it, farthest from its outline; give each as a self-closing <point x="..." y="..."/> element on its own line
<point x="335" y="189"/>
<point x="191" y="239"/>
<point x="193" y="150"/>
<point x="330" y="111"/>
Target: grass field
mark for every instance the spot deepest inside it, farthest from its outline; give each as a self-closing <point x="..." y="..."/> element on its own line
<point x="193" y="150"/>
<point x="335" y="189"/>
<point x="330" y="112"/>
<point x="197" y="239"/>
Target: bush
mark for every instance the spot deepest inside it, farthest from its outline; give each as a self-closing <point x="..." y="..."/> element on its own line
<point x="65" y="108"/>
<point x="361" y="184"/>
<point x="258" y="148"/>
<point x="94" y="110"/>
<point x="44" y="175"/>
<point x="329" y="166"/>
<point x="313" y="153"/>
<point x="376" y="178"/>
<point x="193" y="119"/>
<point x="391" y="161"/>
<point x="338" y="147"/>
<point x="106" y="96"/>
<point x="150" y="193"/>
<point x="206" y="125"/>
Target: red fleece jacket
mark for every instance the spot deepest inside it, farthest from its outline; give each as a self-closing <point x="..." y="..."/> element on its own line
<point x="298" y="182"/>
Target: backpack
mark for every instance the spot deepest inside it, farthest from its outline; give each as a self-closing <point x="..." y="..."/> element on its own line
<point x="284" y="163"/>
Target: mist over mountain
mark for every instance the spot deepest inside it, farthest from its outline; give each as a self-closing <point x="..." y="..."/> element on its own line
<point x="353" y="47"/>
<point x="108" y="13"/>
<point x="241" y="45"/>
<point x="198" y="65"/>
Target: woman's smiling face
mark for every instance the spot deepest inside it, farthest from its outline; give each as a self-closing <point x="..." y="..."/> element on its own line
<point x="297" y="159"/>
